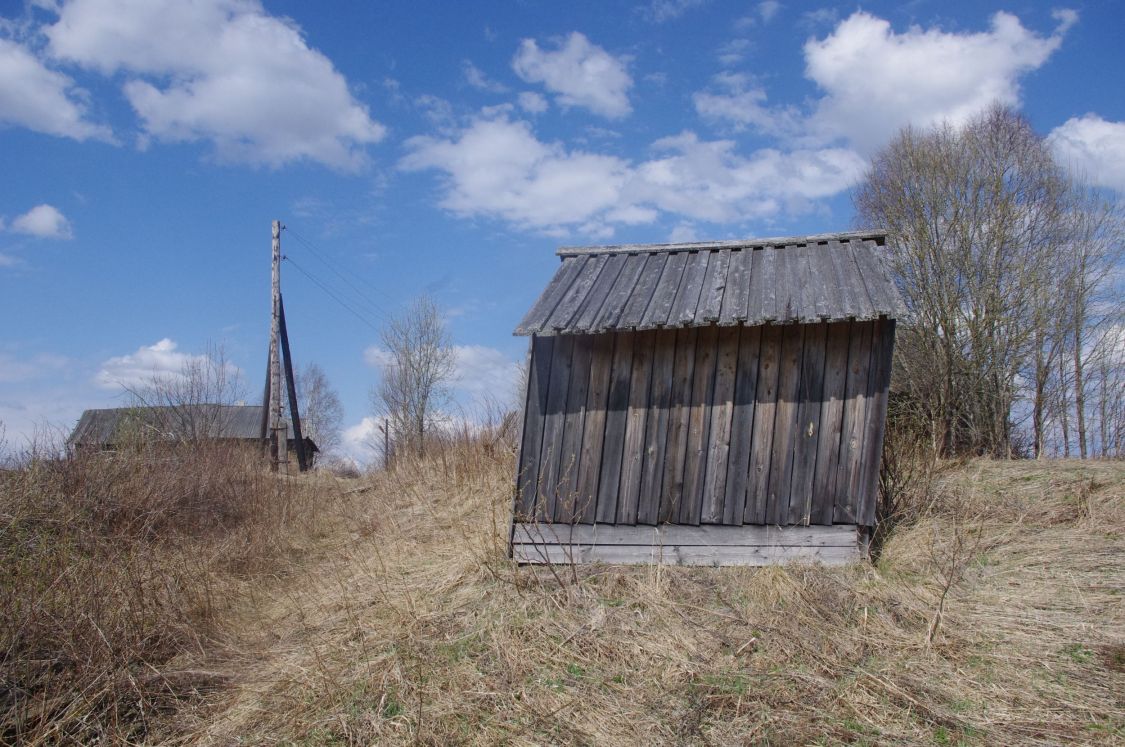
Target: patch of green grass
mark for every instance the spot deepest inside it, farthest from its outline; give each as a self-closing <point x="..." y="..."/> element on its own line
<point x="858" y="727"/>
<point x="1108" y="728"/>
<point x="575" y="671"/>
<point x="462" y="648"/>
<point x="1078" y="653"/>
<point x="321" y="737"/>
<point x="391" y="706"/>
<point x="727" y="684"/>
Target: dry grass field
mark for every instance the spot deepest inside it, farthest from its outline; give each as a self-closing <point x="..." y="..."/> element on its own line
<point x="382" y="610"/>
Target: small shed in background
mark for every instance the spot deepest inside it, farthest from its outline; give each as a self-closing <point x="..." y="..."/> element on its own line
<point x="706" y="403"/>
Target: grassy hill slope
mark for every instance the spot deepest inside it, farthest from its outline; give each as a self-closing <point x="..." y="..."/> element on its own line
<point x="194" y="599"/>
<point x="996" y="617"/>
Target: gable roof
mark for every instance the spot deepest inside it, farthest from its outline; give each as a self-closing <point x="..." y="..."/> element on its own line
<point x="822" y="277"/>
<point x="108" y="426"/>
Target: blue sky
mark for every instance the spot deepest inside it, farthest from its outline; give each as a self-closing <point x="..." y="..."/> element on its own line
<point x="449" y="148"/>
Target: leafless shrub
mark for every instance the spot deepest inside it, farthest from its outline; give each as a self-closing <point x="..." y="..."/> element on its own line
<point x="117" y="563"/>
<point x="188" y="404"/>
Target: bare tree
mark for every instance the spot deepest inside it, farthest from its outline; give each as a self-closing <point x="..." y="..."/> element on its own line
<point x="1090" y="308"/>
<point x="416" y="373"/>
<point x="975" y="216"/>
<point x="322" y="414"/>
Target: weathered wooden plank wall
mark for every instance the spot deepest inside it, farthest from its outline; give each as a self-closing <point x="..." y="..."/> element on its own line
<point x="779" y="424"/>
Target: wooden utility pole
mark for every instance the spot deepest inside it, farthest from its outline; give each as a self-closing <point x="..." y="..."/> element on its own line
<point x="291" y="388"/>
<point x="278" y="431"/>
<point x="386" y="447"/>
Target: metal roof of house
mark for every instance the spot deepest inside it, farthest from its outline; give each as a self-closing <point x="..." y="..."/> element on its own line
<point x="107" y="427"/>
<point x="823" y="277"/>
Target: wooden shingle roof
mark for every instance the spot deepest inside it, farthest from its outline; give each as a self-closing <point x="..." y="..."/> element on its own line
<point x="823" y="277"/>
<point x="107" y="427"/>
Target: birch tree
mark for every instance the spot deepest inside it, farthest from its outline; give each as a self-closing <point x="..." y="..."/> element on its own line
<point x="416" y="373"/>
<point x="974" y="215"/>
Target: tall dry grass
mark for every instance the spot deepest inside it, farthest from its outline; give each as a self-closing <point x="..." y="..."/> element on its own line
<point x="383" y="610"/>
<point x="117" y="569"/>
<point x="994" y="616"/>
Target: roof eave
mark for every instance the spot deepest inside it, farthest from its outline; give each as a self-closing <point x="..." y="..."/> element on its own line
<point x="879" y="236"/>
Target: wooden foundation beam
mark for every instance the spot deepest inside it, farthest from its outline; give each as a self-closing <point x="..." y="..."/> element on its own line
<point x="674" y="544"/>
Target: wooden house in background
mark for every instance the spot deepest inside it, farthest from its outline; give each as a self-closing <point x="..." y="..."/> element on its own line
<point x="707" y="403"/>
<point x="112" y="428"/>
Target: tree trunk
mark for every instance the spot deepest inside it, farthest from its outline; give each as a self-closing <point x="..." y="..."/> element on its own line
<point x="1064" y="409"/>
<point x="1079" y="385"/>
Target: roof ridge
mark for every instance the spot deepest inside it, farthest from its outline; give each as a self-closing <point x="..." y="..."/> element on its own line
<point x="877" y="235"/>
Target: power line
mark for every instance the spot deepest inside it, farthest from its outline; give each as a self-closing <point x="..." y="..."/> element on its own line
<point x="361" y="295"/>
<point x="334" y="297"/>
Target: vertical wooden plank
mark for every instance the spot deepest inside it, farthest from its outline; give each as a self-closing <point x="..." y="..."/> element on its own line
<point x="660" y="305"/>
<point x="785" y="424"/>
<point x="718" y="440"/>
<point x="714" y="288"/>
<point x="788" y="290"/>
<point x="656" y="427"/>
<point x="737" y="287"/>
<point x="742" y="424"/>
<point x="593" y="429"/>
<point x="848" y="305"/>
<point x="686" y="302"/>
<point x="878" y="391"/>
<point x="617" y="411"/>
<point x="570" y="452"/>
<point x="633" y="454"/>
<point x="855" y="415"/>
<point x="621" y="293"/>
<point x="534" y="416"/>
<point x="576" y="294"/>
<point x="699" y="424"/>
<point x="536" y="318"/>
<point x="639" y="299"/>
<point x="831" y="422"/>
<point x="764" y="279"/>
<point x="672" y="487"/>
<point x="808" y="424"/>
<point x="583" y="320"/>
<point x="818" y="274"/>
<point x="554" y="424"/>
<point x="765" y="405"/>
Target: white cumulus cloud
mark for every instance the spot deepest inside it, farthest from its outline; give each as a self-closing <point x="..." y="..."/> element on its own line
<point x="148" y="363"/>
<point x="1093" y="148"/>
<point x="877" y="80"/>
<point x="44" y="222"/>
<point x="377" y="357"/>
<point x="659" y="11"/>
<point x="477" y="78"/>
<point x="579" y="73"/>
<point x="741" y="103"/>
<point x="484" y="372"/>
<point x="498" y="168"/>
<point x="709" y="180"/>
<point x="41" y="99"/>
<point x="768" y="9"/>
<point x="223" y="71"/>
<point x="362" y="441"/>
<point x="532" y="102"/>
